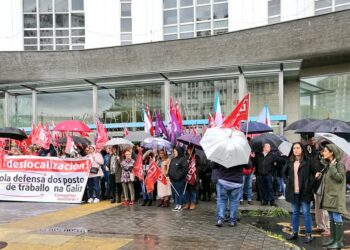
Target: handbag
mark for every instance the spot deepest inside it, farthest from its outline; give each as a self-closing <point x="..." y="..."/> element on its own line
<point x="93" y="170"/>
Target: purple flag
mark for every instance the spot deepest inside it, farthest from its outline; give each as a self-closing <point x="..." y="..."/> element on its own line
<point x="175" y="125"/>
<point x="160" y="127"/>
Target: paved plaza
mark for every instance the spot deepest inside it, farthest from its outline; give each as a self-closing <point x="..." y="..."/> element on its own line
<point x="106" y="226"/>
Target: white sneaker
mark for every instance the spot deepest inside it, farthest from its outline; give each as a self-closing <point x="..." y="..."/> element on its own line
<point x="175" y="208"/>
<point x="281" y="197"/>
<point x="90" y="200"/>
<point x="96" y="200"/>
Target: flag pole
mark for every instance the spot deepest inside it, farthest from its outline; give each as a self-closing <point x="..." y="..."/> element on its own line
<point x="247" y="123"/>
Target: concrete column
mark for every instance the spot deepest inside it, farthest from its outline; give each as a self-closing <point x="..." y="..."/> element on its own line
<point x="242" y="86"/>
<point x="166" y="99"/>
<point x="34" y="106"/>
<point x="6" y="110"/>
<point x="281" y="96"/>
<point x="94" y="102"/>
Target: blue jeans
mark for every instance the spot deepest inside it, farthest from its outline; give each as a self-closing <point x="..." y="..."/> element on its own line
<point x="178" y="189"/>
<point x="266" y="189"/>
<point x="94" y="187"/>
<point x="191" y="194"/>
<point x="334" y="216"/>
<point x="223" y="195"/>
<point x="145" y="195"/>
<point x="305" y="206"/>
<point x="247" y="187"/>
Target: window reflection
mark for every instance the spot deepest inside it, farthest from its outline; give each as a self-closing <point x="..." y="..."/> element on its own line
<point x="20" y="110"/>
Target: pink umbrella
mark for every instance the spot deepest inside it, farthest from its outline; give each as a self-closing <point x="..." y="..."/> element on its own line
<point x="72" y="126"/>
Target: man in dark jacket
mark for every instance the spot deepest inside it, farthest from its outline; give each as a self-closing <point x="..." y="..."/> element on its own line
<point x="264" y="163"/>
<point x="178" y="169"/>
<point x="114" y="174"/>
<point x="229" y="182"/>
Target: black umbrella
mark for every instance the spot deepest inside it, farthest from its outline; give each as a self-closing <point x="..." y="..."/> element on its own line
<point x="257" y="143"/>
<point x="255" y="128"/>
<point x="76" y="139"/>
<point x="300" y="123"/>
<point x="12" y="133"/>
<point x="326" y="126"/>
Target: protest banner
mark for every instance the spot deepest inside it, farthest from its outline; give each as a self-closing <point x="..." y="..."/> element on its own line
<point x="43" y="179"/>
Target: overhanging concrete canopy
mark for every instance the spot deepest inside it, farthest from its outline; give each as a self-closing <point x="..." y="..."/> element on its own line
<point x="315" y="40"/>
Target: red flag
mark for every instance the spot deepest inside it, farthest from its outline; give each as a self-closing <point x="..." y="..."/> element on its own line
<point x="2" y="158"/>
<point x="239" y="114"/>
<point x="195" y="130"/>
<point x="172" y="109"/>
<point x="24" y="144"/>
<point x="137" y="169"/>
<point x="148" y="114"/>
<point x="125" y="132"/>
<point x="178" y="114"/>
<point x="83" y="134"/>
<point x="101" y="135"/>
<point x="211" y="121"/>
<point x="152" y="176"/>
<point x="55" y="135"/>
<point x="191" y="176"/>
<point x="42" y="137"/>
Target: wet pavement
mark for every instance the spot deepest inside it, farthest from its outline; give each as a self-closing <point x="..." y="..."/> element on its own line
<point x="136" y="227"/>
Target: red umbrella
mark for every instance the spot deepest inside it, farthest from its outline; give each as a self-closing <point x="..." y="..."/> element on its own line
<point x="72" y="126"/>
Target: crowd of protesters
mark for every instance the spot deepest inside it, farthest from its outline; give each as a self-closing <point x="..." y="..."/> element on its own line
<point x="313" y="173"/>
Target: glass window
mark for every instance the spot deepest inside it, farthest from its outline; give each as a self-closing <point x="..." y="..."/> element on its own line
<point x="30" y="41"/>
<point x="78" y="32"/>
<point x="30" y="33"/>
<point x="337" y="2"/>
<point x="274" y="7"/>
<point x="20" y="110"/>
<point x="186" y="28"/>
<point x="203" y="33"/>
<point x="29" y="20"/>
<point x="325" y="96"/>
<point x="46" y="40"/>
<point x="170" y="17"/>
<point x="62" y="32"/>
<point x="77" y="47"/>
<point x="220" y="31"/>
<point x="62" y="40"/>
<point x="61" y="6"/>
<point x="127" y="37"/>
<point x="45" y="5"/>
<point x="170" y="37"/>
<point x="46" y="47"/>
<point x="220" y="24"/>
<point x="323" y="11"/>
<point x="125" y="104"/>
<point x="46" y="33"/>
<point x="203" y="13"/>
<point x="184" y="3"/>
<point x="29" y="5"/>
<point x="77" y="105"/>
<point x="264" y="90"/>
<point x="78" y="39"/>
<point x="78" y="20"/>
<point x="319" y="4"/>
<point x="77" y="5"/>
<point x="62" y="47"/>
<point x="186" y="35"/>
<point x="45" y="20"/>
<point x="186" y="15"/>
<point x="126" y="9"/>
<point x="62" y="21"/>
<point x="125" y="25"/>
<point x="170" y="29"/>
<point x="125" y="42"/>
<point x="169" y="4"/>
<point x="220" y="11"/>
<point x="203" y="26"/>
<point x="342" y="7"/>
<point x="275" y="19"/>
<point x="30" y="47"/>
<point x="203" y="1"/>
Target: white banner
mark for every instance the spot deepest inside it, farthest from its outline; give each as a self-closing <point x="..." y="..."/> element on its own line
<point x="43" y="179"/>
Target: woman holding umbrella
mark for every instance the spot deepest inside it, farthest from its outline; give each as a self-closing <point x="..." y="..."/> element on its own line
<point x="332" y="190"/>
<point x="299" y="190"/>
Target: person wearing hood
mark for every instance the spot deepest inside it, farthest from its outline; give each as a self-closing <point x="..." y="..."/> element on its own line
<point x="332" y="191"/>
<point x="177" y="173"/>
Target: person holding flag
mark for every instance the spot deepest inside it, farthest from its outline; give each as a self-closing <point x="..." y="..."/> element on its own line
<point x="177" y="174"/>
<point x="163" y="190"/>
<point x="191" y="178"/>
<point x="147" y="196"/>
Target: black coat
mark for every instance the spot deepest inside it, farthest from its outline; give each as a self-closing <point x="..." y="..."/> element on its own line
<point x="306" y="178"/>
<point x="264" y="164"/>
<point x="178" y="169"/>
